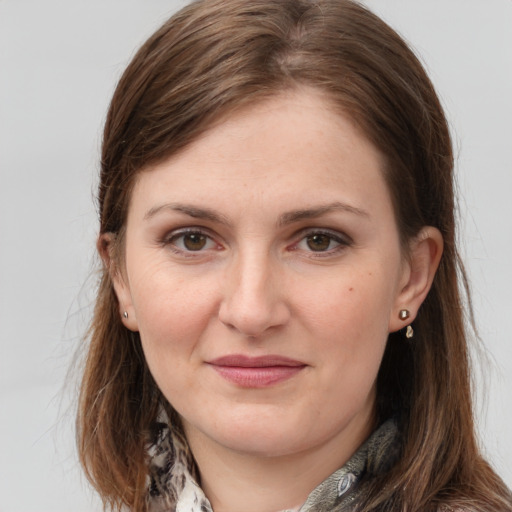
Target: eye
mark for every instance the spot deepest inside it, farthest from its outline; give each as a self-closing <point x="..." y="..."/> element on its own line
<point x="191" y="241"/>
<point x="322" y="242"/>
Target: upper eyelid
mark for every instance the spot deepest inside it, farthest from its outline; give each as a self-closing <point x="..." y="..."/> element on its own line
<point x="173" y="233"/>
<point x="343" y="237"/>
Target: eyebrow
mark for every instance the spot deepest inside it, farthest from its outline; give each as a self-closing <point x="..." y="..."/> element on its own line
<point x="192" y="211"/>
<point x="318" y="211"/>
<point x="285" y="219"/>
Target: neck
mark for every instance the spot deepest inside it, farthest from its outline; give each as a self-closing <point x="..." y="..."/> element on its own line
<point x="234" y="481"/>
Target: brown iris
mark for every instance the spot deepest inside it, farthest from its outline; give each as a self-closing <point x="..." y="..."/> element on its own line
<point x="194" y="241"/>
<point x="318" y="242"/>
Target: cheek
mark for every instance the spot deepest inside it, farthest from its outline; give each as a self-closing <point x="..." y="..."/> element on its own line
<point x="171" y="310"/>
<point x="172" y="327"/>
<point x="349" y="325"/>
<point x="351" y="305"/>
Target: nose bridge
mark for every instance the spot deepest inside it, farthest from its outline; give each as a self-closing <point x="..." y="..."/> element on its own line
<point x="253" y="301"/>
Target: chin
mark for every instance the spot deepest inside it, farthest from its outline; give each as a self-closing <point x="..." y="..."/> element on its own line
<point x="262" y="442"/>
<point x="260" y="435"/>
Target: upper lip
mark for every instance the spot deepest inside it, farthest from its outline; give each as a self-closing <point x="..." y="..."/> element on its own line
<point x="243" y="361"/>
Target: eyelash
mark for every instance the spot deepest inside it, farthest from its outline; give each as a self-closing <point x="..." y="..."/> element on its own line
<point x="342" y="241"/>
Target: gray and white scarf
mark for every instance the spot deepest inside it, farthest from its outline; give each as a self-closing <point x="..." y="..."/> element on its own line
<point x="173" y="483"/>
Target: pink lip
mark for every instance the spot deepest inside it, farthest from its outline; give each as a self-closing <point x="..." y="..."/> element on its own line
<point x="256" y="372"/>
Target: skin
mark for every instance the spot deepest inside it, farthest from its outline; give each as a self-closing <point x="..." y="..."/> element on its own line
<point x="222" y="259"/>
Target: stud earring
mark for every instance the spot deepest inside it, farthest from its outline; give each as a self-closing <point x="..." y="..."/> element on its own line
<point x="125" y="314"/>
<point x="404" y="314"/>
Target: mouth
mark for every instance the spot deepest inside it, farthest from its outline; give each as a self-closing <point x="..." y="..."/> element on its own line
<point x="256" y="372"/>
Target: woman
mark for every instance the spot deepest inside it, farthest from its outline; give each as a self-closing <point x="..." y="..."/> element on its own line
<point x="279" y="323"/>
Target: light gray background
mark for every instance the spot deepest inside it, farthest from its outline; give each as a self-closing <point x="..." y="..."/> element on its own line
<point x="59" y="62"/>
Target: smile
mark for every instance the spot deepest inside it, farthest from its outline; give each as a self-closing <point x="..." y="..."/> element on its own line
<point x="256" y="372"/>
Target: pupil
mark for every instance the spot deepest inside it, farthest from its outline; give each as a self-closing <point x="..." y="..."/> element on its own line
<point x="194" y="241"/>
<point x="318" y="242"/>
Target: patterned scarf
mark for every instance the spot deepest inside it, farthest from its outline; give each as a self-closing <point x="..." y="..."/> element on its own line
<point x="173" y="477"/>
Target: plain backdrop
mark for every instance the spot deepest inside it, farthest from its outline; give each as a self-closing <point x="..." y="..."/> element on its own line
<point x="59" y="62"/>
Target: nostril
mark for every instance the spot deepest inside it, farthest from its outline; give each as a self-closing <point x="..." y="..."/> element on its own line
<point x="251" y="319"/>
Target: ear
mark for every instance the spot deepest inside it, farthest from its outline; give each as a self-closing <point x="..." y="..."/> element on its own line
<point x="106" y="246"/>
<point x="419" y="270"/>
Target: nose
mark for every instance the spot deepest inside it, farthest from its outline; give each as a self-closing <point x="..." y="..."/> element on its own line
<point x="254" y="299"/>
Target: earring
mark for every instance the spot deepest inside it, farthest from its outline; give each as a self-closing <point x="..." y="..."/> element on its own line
<point x="125" y="314"/>
<point x="404" y="314"/>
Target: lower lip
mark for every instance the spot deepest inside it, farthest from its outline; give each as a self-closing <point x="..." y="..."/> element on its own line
<point x="257" y="377"/>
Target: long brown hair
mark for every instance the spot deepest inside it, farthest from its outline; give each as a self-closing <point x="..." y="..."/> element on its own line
<point x="216" y="56"/>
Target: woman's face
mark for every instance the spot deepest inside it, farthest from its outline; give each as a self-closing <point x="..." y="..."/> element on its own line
<point x="264" y="273"/>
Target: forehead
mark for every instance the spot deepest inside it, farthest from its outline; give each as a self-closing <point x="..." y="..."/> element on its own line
<point x="295" y="144"/>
